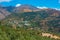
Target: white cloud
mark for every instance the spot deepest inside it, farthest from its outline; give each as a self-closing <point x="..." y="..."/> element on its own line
<point x="42" y="7"/>
<point x="5" y="0"/>
<point x="47" y="8"/>
<point x="56" y="8"/>
<point x="17" y="5"/>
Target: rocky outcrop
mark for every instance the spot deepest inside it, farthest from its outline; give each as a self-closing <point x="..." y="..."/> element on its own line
<point x="50" y="35"/>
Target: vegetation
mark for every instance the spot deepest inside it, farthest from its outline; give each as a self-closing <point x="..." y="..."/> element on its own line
<point x="29" y="26"/>
<point x="8" y="33"/>
<point x="41" y="19"/>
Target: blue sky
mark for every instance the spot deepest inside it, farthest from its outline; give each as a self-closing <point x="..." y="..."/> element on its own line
<point x="41" y="3"/>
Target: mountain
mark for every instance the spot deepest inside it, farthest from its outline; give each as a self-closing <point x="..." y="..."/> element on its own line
<point x="30" y="23"/>
<point x="9" y="8"/>
<point x="25" y="8"/>
<point x="3" y="13"/>
<point x="45" y="19"/>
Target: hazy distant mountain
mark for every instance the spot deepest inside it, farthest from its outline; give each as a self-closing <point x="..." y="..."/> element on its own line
<point x="9" y="8"/>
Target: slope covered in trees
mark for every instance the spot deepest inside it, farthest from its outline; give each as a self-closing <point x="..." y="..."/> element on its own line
<point x="30" y="25"/>
<point x="9" y="33"/>
<point x="46" y="20"/>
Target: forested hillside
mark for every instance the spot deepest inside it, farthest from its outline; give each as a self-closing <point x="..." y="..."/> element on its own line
<point x="45" y="20"/>
<point x="9" y="33"/>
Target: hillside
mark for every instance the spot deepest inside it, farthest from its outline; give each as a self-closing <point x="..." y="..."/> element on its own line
<point x="46" y="20"/>
<point x="8" y="33"/>
<point x="27" y="22"/>
<point x="3" y="13"/>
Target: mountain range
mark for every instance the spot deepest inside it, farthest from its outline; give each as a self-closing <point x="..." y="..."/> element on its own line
<point x="46" y="19"/>
<point x="27" y="22"/>
<point x="5" y="11"/>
